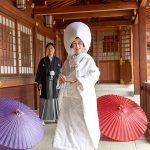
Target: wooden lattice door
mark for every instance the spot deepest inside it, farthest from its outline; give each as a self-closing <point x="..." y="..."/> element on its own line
<point x="125" y="55"/>
<point x="105" y="52"/>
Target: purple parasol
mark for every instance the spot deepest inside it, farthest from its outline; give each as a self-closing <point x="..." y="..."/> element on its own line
<point x="7" y="148"/>
<point x="20" y="127"/>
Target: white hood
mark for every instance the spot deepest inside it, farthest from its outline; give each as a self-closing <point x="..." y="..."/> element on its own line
<point x="77" y="29"/>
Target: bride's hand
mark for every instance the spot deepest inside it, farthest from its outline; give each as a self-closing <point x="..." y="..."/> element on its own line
<point x="75" y="82"/>
<point x="62" y="78"/>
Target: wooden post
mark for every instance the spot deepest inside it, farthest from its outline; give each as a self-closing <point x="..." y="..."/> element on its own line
<point x="142" y="50"/>
<point x="36" y="95"/>
<point x="56" y="43"/>
<point x="136" y="56"/>
<point x="142" y="45"/>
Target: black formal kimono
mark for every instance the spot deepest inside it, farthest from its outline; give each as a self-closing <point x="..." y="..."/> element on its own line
<point x="48" y="109"/>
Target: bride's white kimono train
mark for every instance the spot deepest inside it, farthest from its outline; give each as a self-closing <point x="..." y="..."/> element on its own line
<point x="78" y="125"/>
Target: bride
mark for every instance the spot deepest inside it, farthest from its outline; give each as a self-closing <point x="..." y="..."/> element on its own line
<point x="78" y="124"/>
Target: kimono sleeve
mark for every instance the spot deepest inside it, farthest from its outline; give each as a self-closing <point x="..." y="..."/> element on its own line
<point x="38" y="77"/>
<point x="92" y="75"/>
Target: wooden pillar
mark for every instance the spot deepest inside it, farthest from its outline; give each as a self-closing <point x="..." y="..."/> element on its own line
<point x="142" y="44"/>
<point x="16" y="33"/>
<point x="56" y="43"/>
<point x="142" y="50"/>
<point x="36" y="61"/>
<point x="136" y="63"/>
<point x="35" y="50"/>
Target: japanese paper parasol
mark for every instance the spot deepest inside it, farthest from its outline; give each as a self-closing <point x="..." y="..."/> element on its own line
<point x="20" y="127"/>
<point x="7" y="148"/>
<point x="120" y="118"/>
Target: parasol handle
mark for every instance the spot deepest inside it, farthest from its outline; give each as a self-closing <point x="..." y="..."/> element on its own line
<point x="18" y="112"/>
<point x="122" y="108"/>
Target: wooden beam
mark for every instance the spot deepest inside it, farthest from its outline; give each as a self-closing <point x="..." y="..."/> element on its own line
<point x="110" y="23"/>
<point x="60" y="4"/>
<point x="143" y="3"/>
<point x="39" y="2"/>
<point x="136" y="19"/>
<point x="16" y="82"/>
<point x="94" y="14"/>
<point x="6" y="6"/>
<point x="87" y="8"/>
<point x="104" y="28"/>
<point x="51" y="1"/>
<point x="97" y="25"/>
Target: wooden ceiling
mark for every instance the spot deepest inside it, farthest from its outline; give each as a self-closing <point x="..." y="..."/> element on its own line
<point x="93" y="12"/>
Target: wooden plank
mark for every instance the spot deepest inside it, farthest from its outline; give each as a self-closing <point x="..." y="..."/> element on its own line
<point x="16" y="82"/>
<point x="94" y="14"/>
<point x="114" y="6"/>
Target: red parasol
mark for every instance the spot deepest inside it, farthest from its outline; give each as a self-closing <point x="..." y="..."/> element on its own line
<point x="120" y="118"/>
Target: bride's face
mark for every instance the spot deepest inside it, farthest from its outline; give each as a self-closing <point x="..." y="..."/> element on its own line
<point x="77" y="45"/>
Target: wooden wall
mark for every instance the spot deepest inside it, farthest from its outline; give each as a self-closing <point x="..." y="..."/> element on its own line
<point x="20" y="87"/>
<point x="112" y="51"/>
<point x="145" y="101"/>
<point x="110" y="71"/>
<point x="148" y="70"/>
<point x="23" y="93"/>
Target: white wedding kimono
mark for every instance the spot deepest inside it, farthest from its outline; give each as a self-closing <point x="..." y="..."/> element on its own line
<point x="78" y="124"/>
